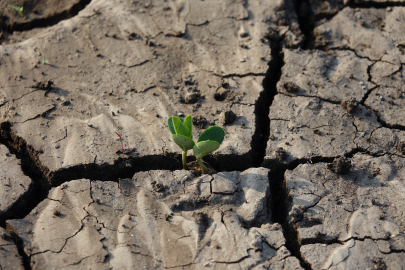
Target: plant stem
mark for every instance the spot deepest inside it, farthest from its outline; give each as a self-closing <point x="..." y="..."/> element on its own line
<point x="122" y="144"/>
<point x="199" y="160"/>
<point x="184" y="156"/>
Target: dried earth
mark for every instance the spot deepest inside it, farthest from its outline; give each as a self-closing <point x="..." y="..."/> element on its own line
<point x="157" y="220"/>
<point x="16" y="188"/>
<point x="310" y="95"/>
<point x="367" y="200"/>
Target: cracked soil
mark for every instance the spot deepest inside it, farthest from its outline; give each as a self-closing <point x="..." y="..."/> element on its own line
<point x="311" y="173"/>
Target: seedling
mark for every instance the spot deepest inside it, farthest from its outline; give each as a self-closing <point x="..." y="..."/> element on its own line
<point x="44" y="61"/>
<point x="120" y="135"/>
<point x="182" y="134"/>
<point x="209" y="140"/>
<point x="19" y="9"/>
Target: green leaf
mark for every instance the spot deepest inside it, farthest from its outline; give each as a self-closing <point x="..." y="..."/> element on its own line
<point x="170" y="125"/>
<point x="188" y="124"/>
<point x="19" y="9"/>
<point x="201" y="149"/>
<point x="181" y="129"/>
<point x="44" y="61"/>
<point x="214" y="133"/>
<point x="183" y="142"/>
<point x="178" y="125"/>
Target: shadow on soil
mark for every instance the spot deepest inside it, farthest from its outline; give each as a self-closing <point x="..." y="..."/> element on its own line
<point x="45" y="22"/>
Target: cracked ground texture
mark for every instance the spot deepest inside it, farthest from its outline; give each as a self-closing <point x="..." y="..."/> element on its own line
<point x="309" y="81"/>
<point x="307" y="119"/>
<point x="9" y="257"/>
<point x="374" y="34"/>
<point x="127" y="67"/>
<point x="15" y="188"/>
<point x="157" y="220"/>
<point x="350" y="221"/>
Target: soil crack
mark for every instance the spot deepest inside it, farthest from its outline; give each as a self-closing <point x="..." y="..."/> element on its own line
<point x="47" y="21"/>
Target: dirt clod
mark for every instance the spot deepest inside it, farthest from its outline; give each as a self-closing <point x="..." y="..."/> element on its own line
<point x="379" y="264"/>
<point x="349" y="104"/>
<point x="227" y="117"/>
<point x="296" y="213"/>
<point x="221" y="94"/>
<point x="290" y="87"/>
<point x="199" y="121"/>
<point x="157" y="187"/>
<point x="191" y="98"/>
<point x="43" y="85"/>
<point x="340" y="165"/>
<point x="133" y="36"/>
<point x="243" y="34"/>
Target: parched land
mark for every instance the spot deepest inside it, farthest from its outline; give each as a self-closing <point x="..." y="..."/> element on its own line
<point x="311" y="173"/>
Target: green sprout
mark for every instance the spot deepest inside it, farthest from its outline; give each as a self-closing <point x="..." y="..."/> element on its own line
<point x="44" y="61"/>
<point x="182" y="134"/>
<point x="19" y="9"/>
<point x="209" y="140"/>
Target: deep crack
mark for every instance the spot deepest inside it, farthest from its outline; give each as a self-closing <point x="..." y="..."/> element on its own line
<point x="48" y="21"/>
<point x="376" y="5"/>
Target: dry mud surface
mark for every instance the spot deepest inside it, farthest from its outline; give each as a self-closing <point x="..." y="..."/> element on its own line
<point x="311" y="171"/>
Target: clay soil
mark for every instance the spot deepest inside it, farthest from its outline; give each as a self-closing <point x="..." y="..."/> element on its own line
<point x="311" y="171"/>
